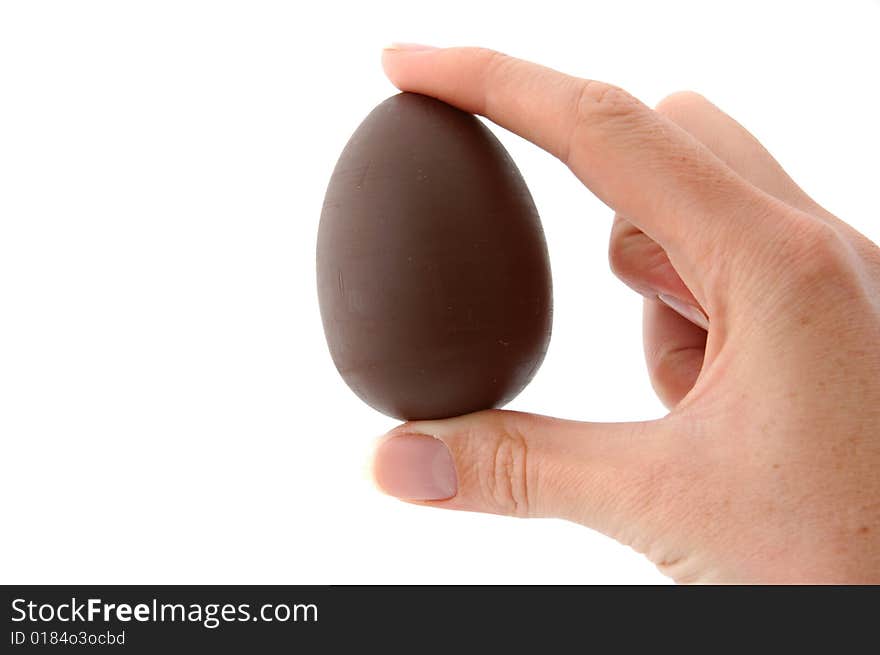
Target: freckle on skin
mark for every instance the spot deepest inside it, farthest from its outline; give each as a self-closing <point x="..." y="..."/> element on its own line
<point x="776" y="466"/>
<point x="864" y="529"/>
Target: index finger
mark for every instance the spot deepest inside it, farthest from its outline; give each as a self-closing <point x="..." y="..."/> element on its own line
<point x="642" y="165"/>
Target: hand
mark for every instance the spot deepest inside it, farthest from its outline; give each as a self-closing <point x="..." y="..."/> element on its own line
<point x="767" y="468"/>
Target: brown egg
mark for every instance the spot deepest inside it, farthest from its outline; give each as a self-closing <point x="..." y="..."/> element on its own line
<point x="433" y="276"/>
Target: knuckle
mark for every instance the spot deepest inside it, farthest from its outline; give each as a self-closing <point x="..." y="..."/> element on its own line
<point x="493" y="64"/>
<point x="490" y="58"/>
<point x="674" y="371"/>
<point x="814" y="251"/>
<point x="597" y="108"/>
<point x="624" y="247"/>
<point x="618" y="256"/>
<point x="487" y="55"/>
<point x="669" y="361"/>
<point x="809" y="265"/>
<point x="680" y="566"/>
<point x="681" y="103"/>
<point x="813" y="234"/>
<point x="637" y="260"/>
<point x="505" y="476"/>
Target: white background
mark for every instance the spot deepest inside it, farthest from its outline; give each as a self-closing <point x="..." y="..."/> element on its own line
<point x="168" y="409"/>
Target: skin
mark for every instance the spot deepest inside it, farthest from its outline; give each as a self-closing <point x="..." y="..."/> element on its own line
<point x="767" y="467"/>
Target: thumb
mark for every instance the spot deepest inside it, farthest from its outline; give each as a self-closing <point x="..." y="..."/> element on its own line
<point x="501" y="462"/>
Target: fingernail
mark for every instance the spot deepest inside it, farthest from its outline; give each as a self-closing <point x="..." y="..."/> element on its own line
<point x="415" y="467"/>
<point x="694" y="314"/>
<point x="409" y="46"/>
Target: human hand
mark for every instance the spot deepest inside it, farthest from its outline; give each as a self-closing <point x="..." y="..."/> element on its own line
<point x="766" y="468"/>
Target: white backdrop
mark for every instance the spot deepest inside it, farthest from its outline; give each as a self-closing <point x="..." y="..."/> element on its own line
<point x="169" y="412"/>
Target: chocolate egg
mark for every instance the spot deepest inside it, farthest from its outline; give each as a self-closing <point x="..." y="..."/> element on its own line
<point x="433" y="277"/>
